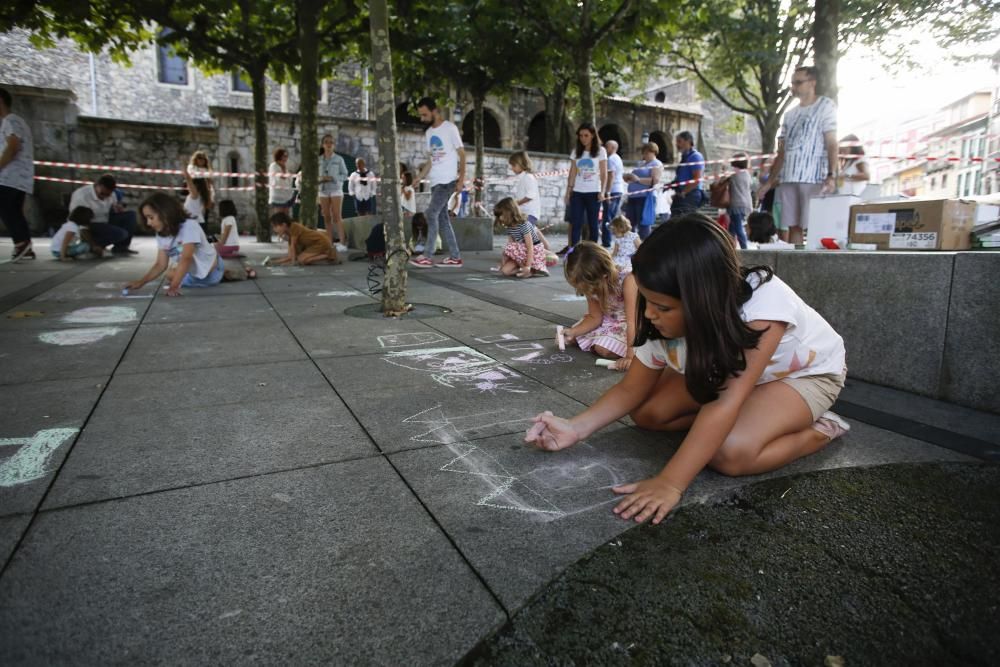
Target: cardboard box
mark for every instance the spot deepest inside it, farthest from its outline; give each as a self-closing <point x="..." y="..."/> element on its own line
<point x="914" y="224"/>
<point x="829" y="217"/>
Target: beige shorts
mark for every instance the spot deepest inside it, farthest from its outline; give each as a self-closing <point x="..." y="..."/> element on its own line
<point x="794" y="199"/>
<point x="819" y="392"/>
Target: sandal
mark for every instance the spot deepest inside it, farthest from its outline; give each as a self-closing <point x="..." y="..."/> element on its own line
<point x="251" y="274"/>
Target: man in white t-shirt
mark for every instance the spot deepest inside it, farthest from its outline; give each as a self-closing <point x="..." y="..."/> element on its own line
<point x="112" y="224"/>
<point x="446" y="168"/>
<point x="614" y="187"/>
<point x="806" y="163"/>
<point x="17" y="176"/>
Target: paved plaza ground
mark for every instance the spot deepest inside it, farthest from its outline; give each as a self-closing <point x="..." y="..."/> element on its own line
<point x="248" y="474"/>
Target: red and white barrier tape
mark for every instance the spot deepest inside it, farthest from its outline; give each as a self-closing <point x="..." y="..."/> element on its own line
<point x="128" y="186"/>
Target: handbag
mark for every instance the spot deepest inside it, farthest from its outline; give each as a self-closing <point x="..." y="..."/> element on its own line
<point x="718" y="193"/>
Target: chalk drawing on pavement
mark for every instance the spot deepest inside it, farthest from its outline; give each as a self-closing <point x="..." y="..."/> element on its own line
<point x="82" y="336"/>
<point x="28" y="462"/>
<point x="102" y="315"/>
<point x="408" y="339"/>
<point x="460" y="367"/>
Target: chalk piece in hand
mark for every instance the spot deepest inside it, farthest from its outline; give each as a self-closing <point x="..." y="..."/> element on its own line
<point x="494" y="268"/>
<point x="560" y="338"/>
<point x="535" y="431"/>
<point x="267" y="260"/>
<point x="125" y="292"/>
<point x="607" y="363"/>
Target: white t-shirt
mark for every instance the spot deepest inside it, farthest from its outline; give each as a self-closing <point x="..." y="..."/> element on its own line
<point x="443" y="143"/>
<point x="195" y="208"/>
<point x="234" y="232"/>
<point x="527" y="186"/>
<point x="86" y="196"/>
<point x="588" y="170"/>
<point x="617" y="167"/>
<point x="279" y="188"/>
<point x="409" y="204"/>
<point x="67" y="227"/>
<point x="854" y="187"/>
<point x="809" y="346"/>
<point x="204" y="253"/>
<point x="19" y="173"/>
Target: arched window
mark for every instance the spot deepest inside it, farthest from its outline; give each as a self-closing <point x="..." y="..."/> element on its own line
<point x="536" y="133"/>
<point x="612" y="132"/>
<point x="661" y="97"/>
<point x="491" y="129"/>
<point x="404" y="116"/>
<point x="662" y="141"/>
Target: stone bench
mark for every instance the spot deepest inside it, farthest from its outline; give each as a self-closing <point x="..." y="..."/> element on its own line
<point x="923" y="322"/>
<point x="471" y="233"/>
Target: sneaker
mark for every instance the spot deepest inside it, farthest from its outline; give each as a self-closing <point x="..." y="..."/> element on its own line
<point x="450" y="262"/>
<point x="831" y="425"/>
<point x="341" y="247"/>
<point x="563" y="251"/>
<point x="540" y="272"/>
<point x="22" y="252"/>
<point x="421" y="262"/>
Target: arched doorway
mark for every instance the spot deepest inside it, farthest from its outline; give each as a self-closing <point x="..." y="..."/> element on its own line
<point x="491" y="129"/>
<point x="662" y="141"/>
<point x="612" y="132"/>
<point x="536" y="133"/>
<point x="404" y="116"/>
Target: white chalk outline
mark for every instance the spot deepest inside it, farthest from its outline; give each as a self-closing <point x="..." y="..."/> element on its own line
<point x="28" y="463"/>
<point x="385" y="339"/>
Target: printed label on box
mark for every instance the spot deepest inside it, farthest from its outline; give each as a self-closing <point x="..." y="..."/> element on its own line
<point x="875" y="223"/>
<point x="922" y="240"/>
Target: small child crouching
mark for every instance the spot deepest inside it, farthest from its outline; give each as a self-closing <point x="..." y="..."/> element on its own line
<point x="525" y="252"/>
<point x="305" y="246"/>
<point x="73" y="237"/>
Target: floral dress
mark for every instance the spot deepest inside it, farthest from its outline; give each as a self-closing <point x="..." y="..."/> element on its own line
<point x="517" y="251"/>
<point x="613" y="331"/>
<point x="624" y="249"/>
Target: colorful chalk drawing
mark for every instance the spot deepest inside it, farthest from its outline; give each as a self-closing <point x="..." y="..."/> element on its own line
<point x="569" y="483"/>
<point x="534" y="352"/>
<point x="82" y="336"/>
<point x="102" y="315"/>
<point x="28" y="462"/>
<point x="408" y="339"/>
<point x="496" y="339"/>
<point x="460" y="367"/>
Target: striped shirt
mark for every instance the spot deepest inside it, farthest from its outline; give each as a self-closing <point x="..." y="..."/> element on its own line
<point x="519" y="233"/>
<point x="802" y="130"/>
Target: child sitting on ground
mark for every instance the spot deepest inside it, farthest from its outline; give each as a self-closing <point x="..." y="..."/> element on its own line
<point x="729" y="354"/>
<point x="626" y="242"/>
<point x="179" y="238"/>
<point x="608" y="328"/>
<point x="305" y="246"/>
<point x="229" y="233"/>
<point x="73" y="237"/>
<point x="763" y="231"/>
<point x="524" y="253"/>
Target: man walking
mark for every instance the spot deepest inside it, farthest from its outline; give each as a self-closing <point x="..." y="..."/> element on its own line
<point x="806" y="163"/>
<point x="17" y="176"/>
<point x="614" y="187"/>
<point x="447" y="175"/>
<point x="689" y="194"/>
<point x="112" y="224"/>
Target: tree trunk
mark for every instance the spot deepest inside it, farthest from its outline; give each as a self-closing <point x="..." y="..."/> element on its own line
<point x="308" y="17"/>
<point x="394" y="284"/>
<point x="585" y="85"/>
<point x="555" y="115"/>
<point x="259" y="87"/>
<point x="768" y="124"/>
<point x="477" y="119"/>
<point x="825" y="27"/>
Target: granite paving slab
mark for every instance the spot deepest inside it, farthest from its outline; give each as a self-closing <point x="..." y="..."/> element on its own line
<point x="206" y="344"/>
<point x="332" y="565"/>
<point x="344" y="335"/>
<point x="61" y="353"/>
<point x="95" y="290"/>
<point x="38" y="423"/>
<point x="390" y="399"/>
<point x="11" y="529"/>
<point x="13" y="280"/>
<point x="326" y="303"/>
<point x="246" y="385"/>
<point x="237" y="307"/>
<point x="33" y="315"/>
<point x="496" y="327"/>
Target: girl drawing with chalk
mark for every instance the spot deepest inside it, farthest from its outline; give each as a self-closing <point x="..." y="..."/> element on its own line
<point x="608" y="328"/>
<point x="731" y="353"/>
<point x="524" y="253"/>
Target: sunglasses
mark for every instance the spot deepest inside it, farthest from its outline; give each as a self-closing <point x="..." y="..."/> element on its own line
<point x="799" y="82"/>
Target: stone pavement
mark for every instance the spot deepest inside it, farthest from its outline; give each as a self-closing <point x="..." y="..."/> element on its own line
<point x="247" y="473"/>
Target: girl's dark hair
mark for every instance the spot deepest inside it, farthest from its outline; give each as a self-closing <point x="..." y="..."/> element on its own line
<point x="595" y="143"/>
<point x="418" y="225"/>
<point x="855" y="148"/>
<point x="322" y="139"/>
<point x="739" y="161"/>
<point x="407" y="178"/>
<point x="761" y="225"/>
<point x="81" y="215"/>
<point x="227" y="208"/>
<point x="168" y="210"/>
<point x="692" y="259"/>
<point x="278" y="154"/>
<point x="280" y="218"/>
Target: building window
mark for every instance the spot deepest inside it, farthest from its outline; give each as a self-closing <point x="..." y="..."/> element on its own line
<point x="944" y="180"/>
<point x="934" y="183"/>
<point x="234" y="167"/>
<point x="171" y="68"/>
<point x="661" y="97"/>
<point x="240" y="82"/>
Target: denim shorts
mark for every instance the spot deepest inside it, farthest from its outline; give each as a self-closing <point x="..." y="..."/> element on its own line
<point x="214" y="277"/>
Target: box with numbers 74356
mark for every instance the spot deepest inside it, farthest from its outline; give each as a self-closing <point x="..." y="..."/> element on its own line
<point x="914" y="224"/>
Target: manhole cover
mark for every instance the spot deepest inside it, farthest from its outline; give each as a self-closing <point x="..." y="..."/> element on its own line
<point x="420" y="311"/>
